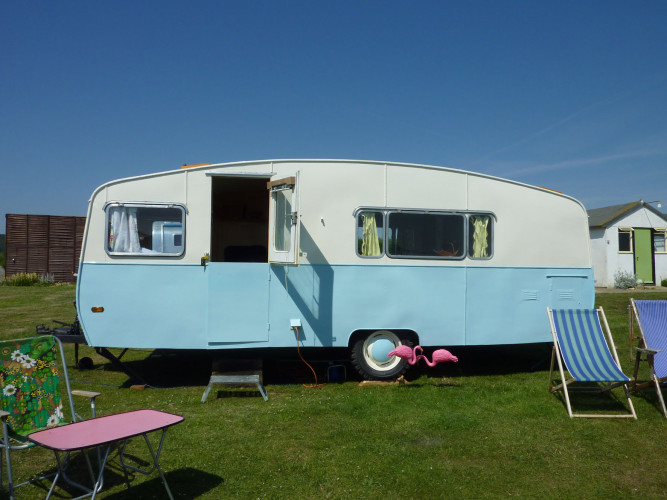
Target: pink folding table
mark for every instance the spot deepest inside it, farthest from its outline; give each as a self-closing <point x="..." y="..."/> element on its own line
<point x="104" y="432"/>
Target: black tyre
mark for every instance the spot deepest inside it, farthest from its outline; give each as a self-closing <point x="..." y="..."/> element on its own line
<point x="85" y="364"/>
<point x="370" y="357"/>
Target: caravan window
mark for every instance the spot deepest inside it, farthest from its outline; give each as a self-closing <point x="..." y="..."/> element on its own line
<point x="283" y="209"/>
<point x="426" y="235"/>
<point x="145" y="230"/>
<point x="370" y="234"/>
<point x="480" y="236"/>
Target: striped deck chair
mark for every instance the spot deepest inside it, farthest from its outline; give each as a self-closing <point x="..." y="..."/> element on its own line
<point x="581" y="348"/>
<point x="651" y="319"/>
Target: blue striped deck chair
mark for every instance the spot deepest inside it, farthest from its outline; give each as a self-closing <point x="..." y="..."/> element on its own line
<point x="650" y="316"/>
<point x="580" y="347"/>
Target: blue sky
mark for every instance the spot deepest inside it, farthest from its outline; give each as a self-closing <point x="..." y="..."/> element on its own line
<point x="567" y="95"/>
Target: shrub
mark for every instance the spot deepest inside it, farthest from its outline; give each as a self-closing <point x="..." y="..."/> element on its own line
<point x="47" y="279"/>
<point x="663" y="282"/>
<point x="28" y="279"/>
<point x="3" y="259"/>
<point x="22" y="279"/>
<point x="624" y="280"/>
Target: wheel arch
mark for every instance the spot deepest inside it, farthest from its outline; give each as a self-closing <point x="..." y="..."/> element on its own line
<point x="410" y="335"/>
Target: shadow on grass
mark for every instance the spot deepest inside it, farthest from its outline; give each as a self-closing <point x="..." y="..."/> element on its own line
<point x="223" y="394"/>
<point x="489" y="360"/>
<point x="183" y="483"/>
<point x="282" y="366"/>
<point x="650" y="397"/>
<point x="77" y="470"/>
<point x="590" y="401"/>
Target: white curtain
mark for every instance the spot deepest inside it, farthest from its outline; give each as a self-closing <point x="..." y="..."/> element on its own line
<point x="123" y="234"/>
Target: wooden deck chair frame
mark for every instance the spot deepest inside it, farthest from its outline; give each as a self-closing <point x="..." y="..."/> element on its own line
<point x="599" y="386"/>
<point x="648" y="353"/>
<point x="10" y="441"/>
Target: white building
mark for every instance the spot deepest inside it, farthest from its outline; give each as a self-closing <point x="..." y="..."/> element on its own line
<point x="631" y="238"/>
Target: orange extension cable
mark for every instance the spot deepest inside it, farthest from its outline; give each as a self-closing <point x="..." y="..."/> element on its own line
<point x="311" y="386"/>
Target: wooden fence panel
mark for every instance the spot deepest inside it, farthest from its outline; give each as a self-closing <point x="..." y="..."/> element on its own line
<point x="16" y="243"/>
<point x="44" y="244"/>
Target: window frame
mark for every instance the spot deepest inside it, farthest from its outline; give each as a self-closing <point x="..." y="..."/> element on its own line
<point x="630" y="232"/>
<point x="383" y="240"/>
<point x="464" y="250"/>
<point x="285" y="184"/>
<point x="492" y="231"/>
<point x="137" y="204"/>
<point x="658" y="231"/>
<point x="385" y="213"/>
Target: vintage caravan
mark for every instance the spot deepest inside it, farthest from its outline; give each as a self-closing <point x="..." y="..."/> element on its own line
<point x="359" y="254"/>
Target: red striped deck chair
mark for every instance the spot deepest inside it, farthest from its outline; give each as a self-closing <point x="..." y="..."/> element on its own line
<point x="590" y="359"/>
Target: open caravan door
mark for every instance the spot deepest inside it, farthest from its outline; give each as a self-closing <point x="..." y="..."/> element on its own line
<point x="284" y="220"/>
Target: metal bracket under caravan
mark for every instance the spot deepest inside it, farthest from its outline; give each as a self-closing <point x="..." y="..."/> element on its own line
<point x="70" y="333"/>
<point x="115" y="361"/>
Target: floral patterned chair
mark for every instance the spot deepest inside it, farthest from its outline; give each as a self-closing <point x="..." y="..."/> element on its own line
<point x="34" y="384"/>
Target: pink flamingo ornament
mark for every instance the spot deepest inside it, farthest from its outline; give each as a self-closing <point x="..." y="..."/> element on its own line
<point x="439" y="355"/>
<point x="404" y="352"/>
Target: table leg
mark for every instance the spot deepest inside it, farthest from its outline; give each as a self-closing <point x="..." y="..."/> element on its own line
<point x="100" y="478"/>
<point x="62" y="467"/>
<point x="55" y="479"/>
<point x="154" y="456"/>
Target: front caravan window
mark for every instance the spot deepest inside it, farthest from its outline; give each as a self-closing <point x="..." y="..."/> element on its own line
<point x="426" y="235"/>
<point x="145" y="230"/>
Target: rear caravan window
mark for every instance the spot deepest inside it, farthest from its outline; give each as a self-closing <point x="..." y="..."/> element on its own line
<point x="424" y="235"/>
<point x="480" y="236"/>
<point x="145" y="230"/>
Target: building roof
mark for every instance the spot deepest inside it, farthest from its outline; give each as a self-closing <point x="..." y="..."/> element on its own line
<point x="606" y="216"/>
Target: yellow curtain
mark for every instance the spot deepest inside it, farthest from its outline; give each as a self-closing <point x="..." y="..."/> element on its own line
<point x="370" y="243"/>
<point x="480" y="245"/>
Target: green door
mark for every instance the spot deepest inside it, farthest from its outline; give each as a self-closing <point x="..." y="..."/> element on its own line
<point x="643" y="255"/>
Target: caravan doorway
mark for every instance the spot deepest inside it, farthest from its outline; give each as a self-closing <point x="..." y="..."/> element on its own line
<point x="239" y="219"/>
<point x="238" y="291"/>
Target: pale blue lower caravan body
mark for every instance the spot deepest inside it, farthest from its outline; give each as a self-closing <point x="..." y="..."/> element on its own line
<point x="240" y="305"/>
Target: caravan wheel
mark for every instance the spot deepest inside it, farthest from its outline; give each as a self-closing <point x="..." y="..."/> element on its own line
<point x="370" y="355"/>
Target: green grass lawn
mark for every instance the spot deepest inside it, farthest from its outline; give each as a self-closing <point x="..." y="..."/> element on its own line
<point x="486" y="427"/>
